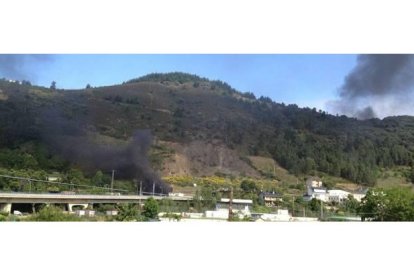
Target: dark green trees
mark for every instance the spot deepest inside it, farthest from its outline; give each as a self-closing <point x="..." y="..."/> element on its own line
<point x="127" y="212"/>
<point x="248" y="186"/>
<point x="150" y="209"/>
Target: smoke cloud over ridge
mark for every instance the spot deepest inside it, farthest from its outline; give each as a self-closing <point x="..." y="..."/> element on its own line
<point x="18" y="67"/>
<point x="380" y="85"/>
<point x="70" y="139"/>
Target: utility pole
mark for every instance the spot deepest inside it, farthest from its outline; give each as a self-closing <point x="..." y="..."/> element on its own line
<point x="293" y="206"/>
<point x="231" y="204"/>
<point x="112" y="182"/>
<point x="140" y="193"/>
<point x="153" y="188"/>
<point x="321" y="209"/>
<point x="136" y="183"/>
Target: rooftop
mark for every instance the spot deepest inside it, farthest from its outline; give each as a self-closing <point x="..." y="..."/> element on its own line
<point x="245" y="201"/>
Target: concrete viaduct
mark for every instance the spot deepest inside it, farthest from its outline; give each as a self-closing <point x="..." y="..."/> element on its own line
<point x="7" y="199"/>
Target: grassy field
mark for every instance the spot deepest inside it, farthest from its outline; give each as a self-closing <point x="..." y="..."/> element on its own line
<point x="394" y="178"/>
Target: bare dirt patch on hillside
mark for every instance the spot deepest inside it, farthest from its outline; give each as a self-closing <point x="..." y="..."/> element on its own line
<point x="199" y="158"/>
<point x="268" y="166"/>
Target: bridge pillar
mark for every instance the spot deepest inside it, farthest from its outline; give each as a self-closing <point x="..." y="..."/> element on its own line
<point x="5" y="207"/>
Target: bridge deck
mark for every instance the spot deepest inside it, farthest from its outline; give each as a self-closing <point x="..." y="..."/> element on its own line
<point x="62" y="198"/>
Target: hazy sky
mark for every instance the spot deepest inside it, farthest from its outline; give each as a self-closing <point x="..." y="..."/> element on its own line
<point x="307" y="80"/>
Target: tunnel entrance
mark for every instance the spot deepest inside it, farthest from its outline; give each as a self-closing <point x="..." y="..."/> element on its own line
<point x="24" y="208"/>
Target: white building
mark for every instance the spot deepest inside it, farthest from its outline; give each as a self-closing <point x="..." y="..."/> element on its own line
<point x="176" y="194"/>
<point x="337" y="195"/>
<point x="240" y="207"/>
<point x="359" y="196"/>
<point x="325" y="195"/>
<point x="317" y="193"/>
<point x="217" y="214"/>
<point x="314" y="182"/>
<point x="281" y="215"/>
<point x="53" y="178"/>
<point x="87" y="213"/>
<point x="271" y="199"/>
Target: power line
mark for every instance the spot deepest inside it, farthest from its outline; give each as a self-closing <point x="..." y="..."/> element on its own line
<point x="57" y="182"/>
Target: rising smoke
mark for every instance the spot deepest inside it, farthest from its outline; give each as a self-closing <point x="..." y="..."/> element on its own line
<point x="18" y="67"/>
<point x="70" y="139"/>
<point x="380" y="85"/>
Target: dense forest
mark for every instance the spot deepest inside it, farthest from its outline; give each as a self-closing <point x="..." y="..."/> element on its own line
<point x="181" y="108"/>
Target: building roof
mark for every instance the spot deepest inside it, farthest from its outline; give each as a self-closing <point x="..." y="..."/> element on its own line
<point x="337" y="191"/>
<point x="319" y="190"/>
<point x="245" y="201"/>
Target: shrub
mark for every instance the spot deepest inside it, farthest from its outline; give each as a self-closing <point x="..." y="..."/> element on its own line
<point x="150" y="209"/>
<point x="127" y="212"/>
<point x="52" y="213"/>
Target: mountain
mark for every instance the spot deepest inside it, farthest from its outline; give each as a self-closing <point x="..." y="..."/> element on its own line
<point x="194" y="126"/>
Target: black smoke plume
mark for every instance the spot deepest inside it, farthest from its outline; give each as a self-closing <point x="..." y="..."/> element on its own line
<point x="70" y="139"/>
<point x="380" y="85"/>
<point x="19" y="67"/>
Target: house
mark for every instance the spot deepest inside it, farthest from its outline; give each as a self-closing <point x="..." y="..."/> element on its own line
<point x="334" y="195"/>
<point x="241" y="207"/>
<point x="319" y="193"/>
<point x="237" y="204"/>
<point x="270" y="199"/>
<point x="314" y="182"/>
<point x="360" y="194"/>
<point x="337" y="196"/>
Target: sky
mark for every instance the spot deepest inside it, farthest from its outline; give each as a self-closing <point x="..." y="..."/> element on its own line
<point x="302" y="79"/>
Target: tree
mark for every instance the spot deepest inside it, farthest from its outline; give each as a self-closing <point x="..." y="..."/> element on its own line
<point x="248" y="186"/>
<point x="373" y="205"/>
<point x="208" y="198"/>
<point x="197" y="201"/>
<point x="88" y="86"/>
<point x="315" y="205"/>
<point x="150" y="209"/>
<point x="392" y="204"/>
<point x="98" y="179"/>
<point x="75" y="176"/>
<point x="53" y="85"/>
<point x="127" y="212"/>
<point x="351" y="204"/>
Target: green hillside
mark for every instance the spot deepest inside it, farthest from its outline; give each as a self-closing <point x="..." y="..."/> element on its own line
<point x="200" y="128"/>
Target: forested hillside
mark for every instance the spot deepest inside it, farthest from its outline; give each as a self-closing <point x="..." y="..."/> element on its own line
<point x="40" y="128"/>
